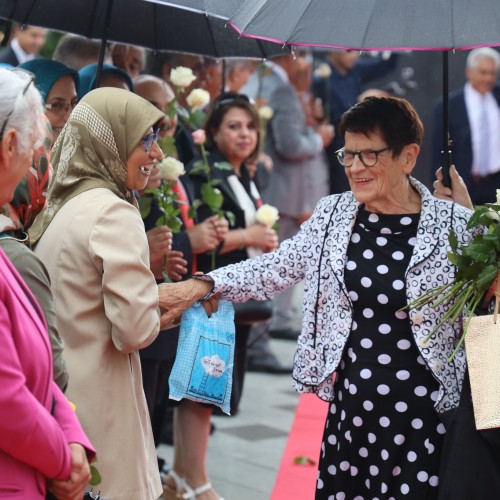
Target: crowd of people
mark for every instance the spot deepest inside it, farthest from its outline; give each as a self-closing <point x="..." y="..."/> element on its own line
<point x="92" y="286"/>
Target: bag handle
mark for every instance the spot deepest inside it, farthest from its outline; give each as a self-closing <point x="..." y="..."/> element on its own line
<point x="497" y="300"/>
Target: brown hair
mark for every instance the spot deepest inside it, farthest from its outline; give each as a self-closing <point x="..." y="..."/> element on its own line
<point x="218" y="110"/>
<point x="394" y="118"/>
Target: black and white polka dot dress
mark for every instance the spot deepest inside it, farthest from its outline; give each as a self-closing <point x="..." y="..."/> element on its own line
<point x="383" y="437"/>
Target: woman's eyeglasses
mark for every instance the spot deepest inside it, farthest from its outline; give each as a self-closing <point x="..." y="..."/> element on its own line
<point x="150" y="139"/>
<point x="29" y="78"/>
<point x="61" y="107"/>
<point x="368" y="158"/>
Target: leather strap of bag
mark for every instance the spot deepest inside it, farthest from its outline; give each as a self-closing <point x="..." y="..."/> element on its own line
<point x="466" y="395"/>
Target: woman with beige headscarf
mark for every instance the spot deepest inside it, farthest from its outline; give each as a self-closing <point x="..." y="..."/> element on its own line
<point x="92" y="240"/>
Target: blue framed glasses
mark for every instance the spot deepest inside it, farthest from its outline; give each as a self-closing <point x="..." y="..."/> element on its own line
<point x="150" y="139"/>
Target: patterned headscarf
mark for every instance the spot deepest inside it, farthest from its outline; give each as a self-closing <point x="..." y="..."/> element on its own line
<point x="29" y="196"/>
<point x="93" y="148"/>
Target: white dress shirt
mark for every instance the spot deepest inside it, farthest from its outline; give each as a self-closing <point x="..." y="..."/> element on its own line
<point x="473" y="105"/>
<point x="22" y="56"/>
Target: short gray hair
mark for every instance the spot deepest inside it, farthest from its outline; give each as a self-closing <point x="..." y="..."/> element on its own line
<point x="25" y="110"/>
<point x="75" y="51"/>
<point x="483" y="52"/>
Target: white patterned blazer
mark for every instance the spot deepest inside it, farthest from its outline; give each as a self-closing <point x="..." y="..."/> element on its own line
<point x="317" y="255"/>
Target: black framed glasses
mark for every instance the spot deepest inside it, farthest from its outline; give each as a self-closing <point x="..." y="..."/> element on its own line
<point x="150" y="139"/>
<point x="29" y="78"/>
<point x="60" y="107"/>
<point x="368" y="157"/>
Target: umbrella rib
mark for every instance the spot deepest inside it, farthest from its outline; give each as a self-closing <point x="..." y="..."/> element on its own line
<point x="28" y="12"/>
<point x="207" y="20"/>
<point x="365" y="35"/>
<point x="89" y="27"/>
<point x="452" y="25"/>
<point x="155" y="35"/>
<point x="259" y="44"/>
<point x="292" y="29"/>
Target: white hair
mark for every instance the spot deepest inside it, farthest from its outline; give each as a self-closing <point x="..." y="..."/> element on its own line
<point x="25" y="110"/>
<point x="483" y="52"/>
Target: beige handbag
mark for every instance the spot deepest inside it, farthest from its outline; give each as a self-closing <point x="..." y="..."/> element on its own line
<point x="482" y="346"/>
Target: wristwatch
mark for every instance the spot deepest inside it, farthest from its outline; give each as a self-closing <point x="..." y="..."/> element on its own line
<point x="208" y="279"/>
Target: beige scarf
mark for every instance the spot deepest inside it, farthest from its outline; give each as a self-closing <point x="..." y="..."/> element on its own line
<point x="93" y="148"/>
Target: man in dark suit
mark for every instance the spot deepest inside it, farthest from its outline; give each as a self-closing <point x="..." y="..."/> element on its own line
<point x="25" y="45"/>
<point x="474" y="126"/>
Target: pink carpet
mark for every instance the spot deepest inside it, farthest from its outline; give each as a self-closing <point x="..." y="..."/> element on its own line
<point x="294" y="481"/>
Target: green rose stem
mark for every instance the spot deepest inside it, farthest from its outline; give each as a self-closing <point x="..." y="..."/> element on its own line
<point x="210" y="194"/>
<point x="166" y="199"/>
<point x="205" y="161"/>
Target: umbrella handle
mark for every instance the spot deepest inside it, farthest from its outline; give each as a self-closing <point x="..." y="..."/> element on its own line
<point x="446" y="153"/>
<point x="446" y="164"/>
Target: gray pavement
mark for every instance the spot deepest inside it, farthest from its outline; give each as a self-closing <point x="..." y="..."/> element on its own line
<point x="245" y="451"/>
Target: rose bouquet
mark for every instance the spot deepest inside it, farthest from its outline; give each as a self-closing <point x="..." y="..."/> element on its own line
<point x="477" y="264"/>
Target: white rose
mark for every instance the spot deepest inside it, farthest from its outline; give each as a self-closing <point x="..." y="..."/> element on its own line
<point x="171" y="169"/>
<point x="323" y="71"/>
<point x="498" y="196"/>
<point x="198" y="98"/>
<point x="491" y="214"/>
<point x="182" y="77"/>
<point x="266" y="113"/>
<point x="267" y="215"/>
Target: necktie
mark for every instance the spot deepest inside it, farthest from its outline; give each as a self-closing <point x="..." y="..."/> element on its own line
<point x="484" y="141"/>
<point x="183" y="204"/>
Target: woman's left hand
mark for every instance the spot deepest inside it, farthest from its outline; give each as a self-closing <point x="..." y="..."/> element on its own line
<point x="221" y="226"/>
<point x="458" y="191"/>
<point x="74" y="487"/>
<point x="262" y="236"/>
<point x="176" y="265"/>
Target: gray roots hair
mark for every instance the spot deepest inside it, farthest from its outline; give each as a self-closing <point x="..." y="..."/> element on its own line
<point x="483" y="52"/>
<point x="26" y="116"/>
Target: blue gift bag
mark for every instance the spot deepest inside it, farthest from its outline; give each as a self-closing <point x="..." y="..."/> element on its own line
<point x="203" y="367"/>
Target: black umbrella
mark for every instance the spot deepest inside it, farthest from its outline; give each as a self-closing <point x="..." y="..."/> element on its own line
<point x="136" y="22"/>
<point x="367" y="25"/>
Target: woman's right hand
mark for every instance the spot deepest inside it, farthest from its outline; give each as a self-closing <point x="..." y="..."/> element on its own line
<point x="74" y="487"/>
<point x="261" y="236"/>
<point x="159" y="242"/>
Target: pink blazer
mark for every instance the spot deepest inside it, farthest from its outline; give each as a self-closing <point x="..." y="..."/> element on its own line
<point x="36" y="421"/>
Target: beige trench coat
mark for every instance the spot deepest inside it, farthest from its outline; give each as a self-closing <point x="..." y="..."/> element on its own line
<point x="106" y="302"/>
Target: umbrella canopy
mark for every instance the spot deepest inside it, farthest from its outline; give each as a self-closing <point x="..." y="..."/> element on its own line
<point x="136" y="22"/>
<point x="371" y="24"/>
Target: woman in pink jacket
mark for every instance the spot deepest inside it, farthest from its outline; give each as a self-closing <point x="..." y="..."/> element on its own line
<point x="42" y="445"/>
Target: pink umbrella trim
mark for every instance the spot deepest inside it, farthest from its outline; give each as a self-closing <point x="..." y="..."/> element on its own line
<point x="269" y="39"/>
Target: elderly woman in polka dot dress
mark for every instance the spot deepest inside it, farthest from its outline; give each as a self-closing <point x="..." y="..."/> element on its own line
<point x="363" y="256"/>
